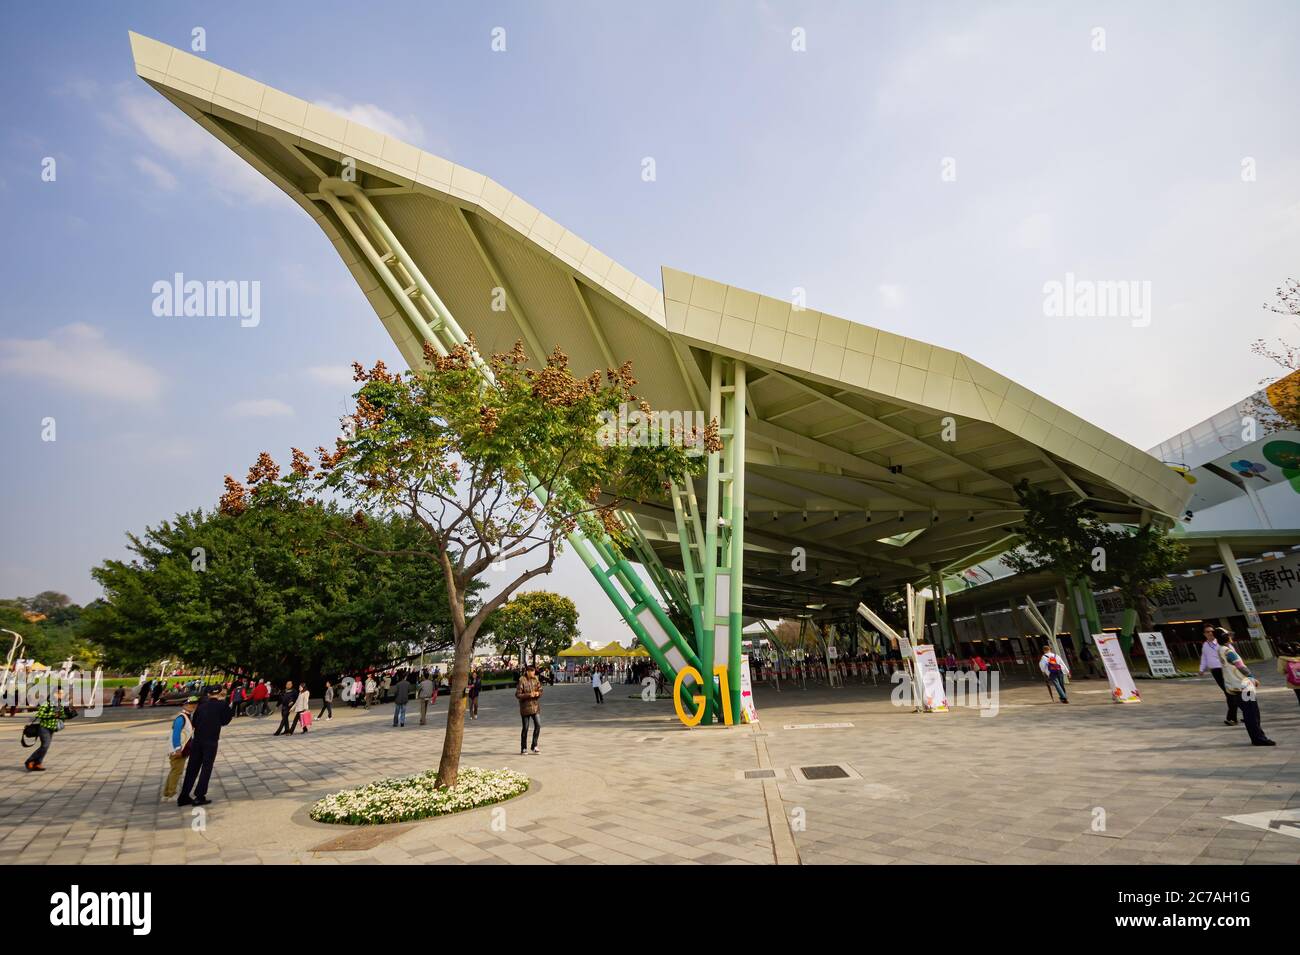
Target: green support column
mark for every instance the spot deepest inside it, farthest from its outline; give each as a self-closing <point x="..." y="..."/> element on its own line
<point x="724" y="533"/>
<point x="711" y="515"/>
<point x="690" y="539"/>
<point x="735" y="618"/>
<point x="947" y="638"/>
<point x="425" y="312"/>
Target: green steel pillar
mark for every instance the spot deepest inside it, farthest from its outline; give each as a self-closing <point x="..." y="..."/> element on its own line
<point x="735" y="616"/>
<point x="722" y="570"/>
<point x="947" y="638"/>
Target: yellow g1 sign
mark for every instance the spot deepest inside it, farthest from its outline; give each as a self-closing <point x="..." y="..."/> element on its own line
<point x="720" y="671"/>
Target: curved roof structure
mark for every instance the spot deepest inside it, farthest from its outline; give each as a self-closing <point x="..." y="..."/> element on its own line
<point x="883" y="457"/>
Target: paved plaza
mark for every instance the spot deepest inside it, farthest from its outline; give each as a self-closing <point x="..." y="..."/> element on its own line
<point x="626" y="783"/>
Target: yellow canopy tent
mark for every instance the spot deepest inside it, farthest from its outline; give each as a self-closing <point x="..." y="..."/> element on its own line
<point x="639" y="651"/>
<point x="612" y="649"/>
<point x="579" y="649"/>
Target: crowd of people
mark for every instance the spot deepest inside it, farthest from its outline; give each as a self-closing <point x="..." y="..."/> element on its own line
<point x="194" y="733"/>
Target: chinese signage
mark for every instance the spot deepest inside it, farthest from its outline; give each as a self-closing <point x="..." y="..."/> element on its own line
<point x="1157" y="654"/>
<point x="1273" y="585"/>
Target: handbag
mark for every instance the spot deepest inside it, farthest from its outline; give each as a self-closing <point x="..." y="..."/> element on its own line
<point x="306" y="719"/>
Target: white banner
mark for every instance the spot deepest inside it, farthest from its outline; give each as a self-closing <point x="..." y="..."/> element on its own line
<point x="747" y="692"/>
<point x="1122" y="688"/>
<point x="1158" y="659"/>
<point x="933" y="697"/>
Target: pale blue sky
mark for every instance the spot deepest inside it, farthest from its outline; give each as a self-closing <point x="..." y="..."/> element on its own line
<point x="776" y="169"/>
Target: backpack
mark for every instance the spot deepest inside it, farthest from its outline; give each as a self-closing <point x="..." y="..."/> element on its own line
<point x="1054" y="664"/>
<point x="1293" y="672"/>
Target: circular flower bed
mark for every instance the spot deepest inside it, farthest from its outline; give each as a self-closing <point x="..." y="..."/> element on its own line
<point x="417" y="797"/>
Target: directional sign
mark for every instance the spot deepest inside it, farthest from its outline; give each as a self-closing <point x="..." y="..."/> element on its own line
<point x="1284" y="821"/>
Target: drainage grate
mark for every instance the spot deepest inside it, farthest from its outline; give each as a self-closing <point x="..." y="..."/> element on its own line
<point x="764" y="773"/>
<point x="823" y="772"/>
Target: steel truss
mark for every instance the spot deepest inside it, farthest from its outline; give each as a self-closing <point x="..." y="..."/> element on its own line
<point x="431" y="321"/>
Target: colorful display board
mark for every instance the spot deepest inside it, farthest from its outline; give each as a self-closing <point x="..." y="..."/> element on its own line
<point x="747" y="692"/>
<point x="934" y="699"/>
<point x="1122" y="688"/>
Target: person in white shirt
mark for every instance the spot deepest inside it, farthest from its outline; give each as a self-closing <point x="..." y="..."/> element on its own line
<point x="1056" y="670"/>
<point x="301" y="706"/>
<point x="596" y="680"/>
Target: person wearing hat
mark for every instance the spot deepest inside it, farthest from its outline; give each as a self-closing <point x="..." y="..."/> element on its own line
<point x="1240" y="683"/>
<point x="181" y="734"/>
<point x="208" y="719"/>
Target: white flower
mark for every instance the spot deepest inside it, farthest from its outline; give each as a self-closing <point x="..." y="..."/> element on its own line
<point x="417" y="797"/>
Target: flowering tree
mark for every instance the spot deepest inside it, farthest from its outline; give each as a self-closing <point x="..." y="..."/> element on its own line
<point x="497" y="462"/>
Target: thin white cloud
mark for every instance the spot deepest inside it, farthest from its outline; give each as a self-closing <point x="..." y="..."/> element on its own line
<point x="193" y="150"/>
<point x="161" y="176"/>
<point x="891" y="296"/>
<point x="406" y="128"/>
<point x="77" y="358"/>
<point x="334" y="375"/>
<point x="261" y="408"/>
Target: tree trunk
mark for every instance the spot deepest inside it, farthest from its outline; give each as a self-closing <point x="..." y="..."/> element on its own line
<point x="449" y="764"/>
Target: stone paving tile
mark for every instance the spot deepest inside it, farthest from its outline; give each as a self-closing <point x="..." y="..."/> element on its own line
<point x="1020" y="788"/>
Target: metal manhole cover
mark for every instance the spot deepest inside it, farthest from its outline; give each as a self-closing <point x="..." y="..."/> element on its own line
<point x="823" y="772"/>
<point x="760" y="774"/>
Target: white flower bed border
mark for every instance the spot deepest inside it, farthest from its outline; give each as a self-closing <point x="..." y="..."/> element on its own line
<point x="405" y="798"/>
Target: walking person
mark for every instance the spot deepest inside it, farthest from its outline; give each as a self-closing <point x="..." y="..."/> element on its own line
<point x="1056" y="670"/>
<point x="301" y="709"/>
<point x="1240" y="682"/>
<point x="1210" y="662"/>
<point x="261" y="693"/>
<point x="596" y="680"/>
<point x="287" y="700"/>
<point x="182" y="732"/>
<point x="427" y="693"/>
<point x="1290" y="667"/>
<point x="212" y="714"/>
<point x="1089" y="661"/>
<point x="529" y="695"/>
<point x="371" y="689"/>
<point x="48" y="718"/>
<point x="401" y="693"/>
<point x="327" y="702"/>
<point x="472" y="691"/>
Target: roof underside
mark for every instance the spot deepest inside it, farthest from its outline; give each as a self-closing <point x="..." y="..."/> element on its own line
<point x="833" y="405"/>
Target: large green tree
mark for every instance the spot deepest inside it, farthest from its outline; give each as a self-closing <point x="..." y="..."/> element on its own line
<point x="1063" y="535"/>
<point x="1138" y="562"/>
<point x="278" y="593"/>
<point x="48" y="638"/>
<point x="497" y="462"/>
<point x="535" y="623"/>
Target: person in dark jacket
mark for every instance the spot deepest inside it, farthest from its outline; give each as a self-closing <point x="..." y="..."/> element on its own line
<point x="212" y="714"/>
<point x="401" y="695"/>
<point x="287" y="700"/>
